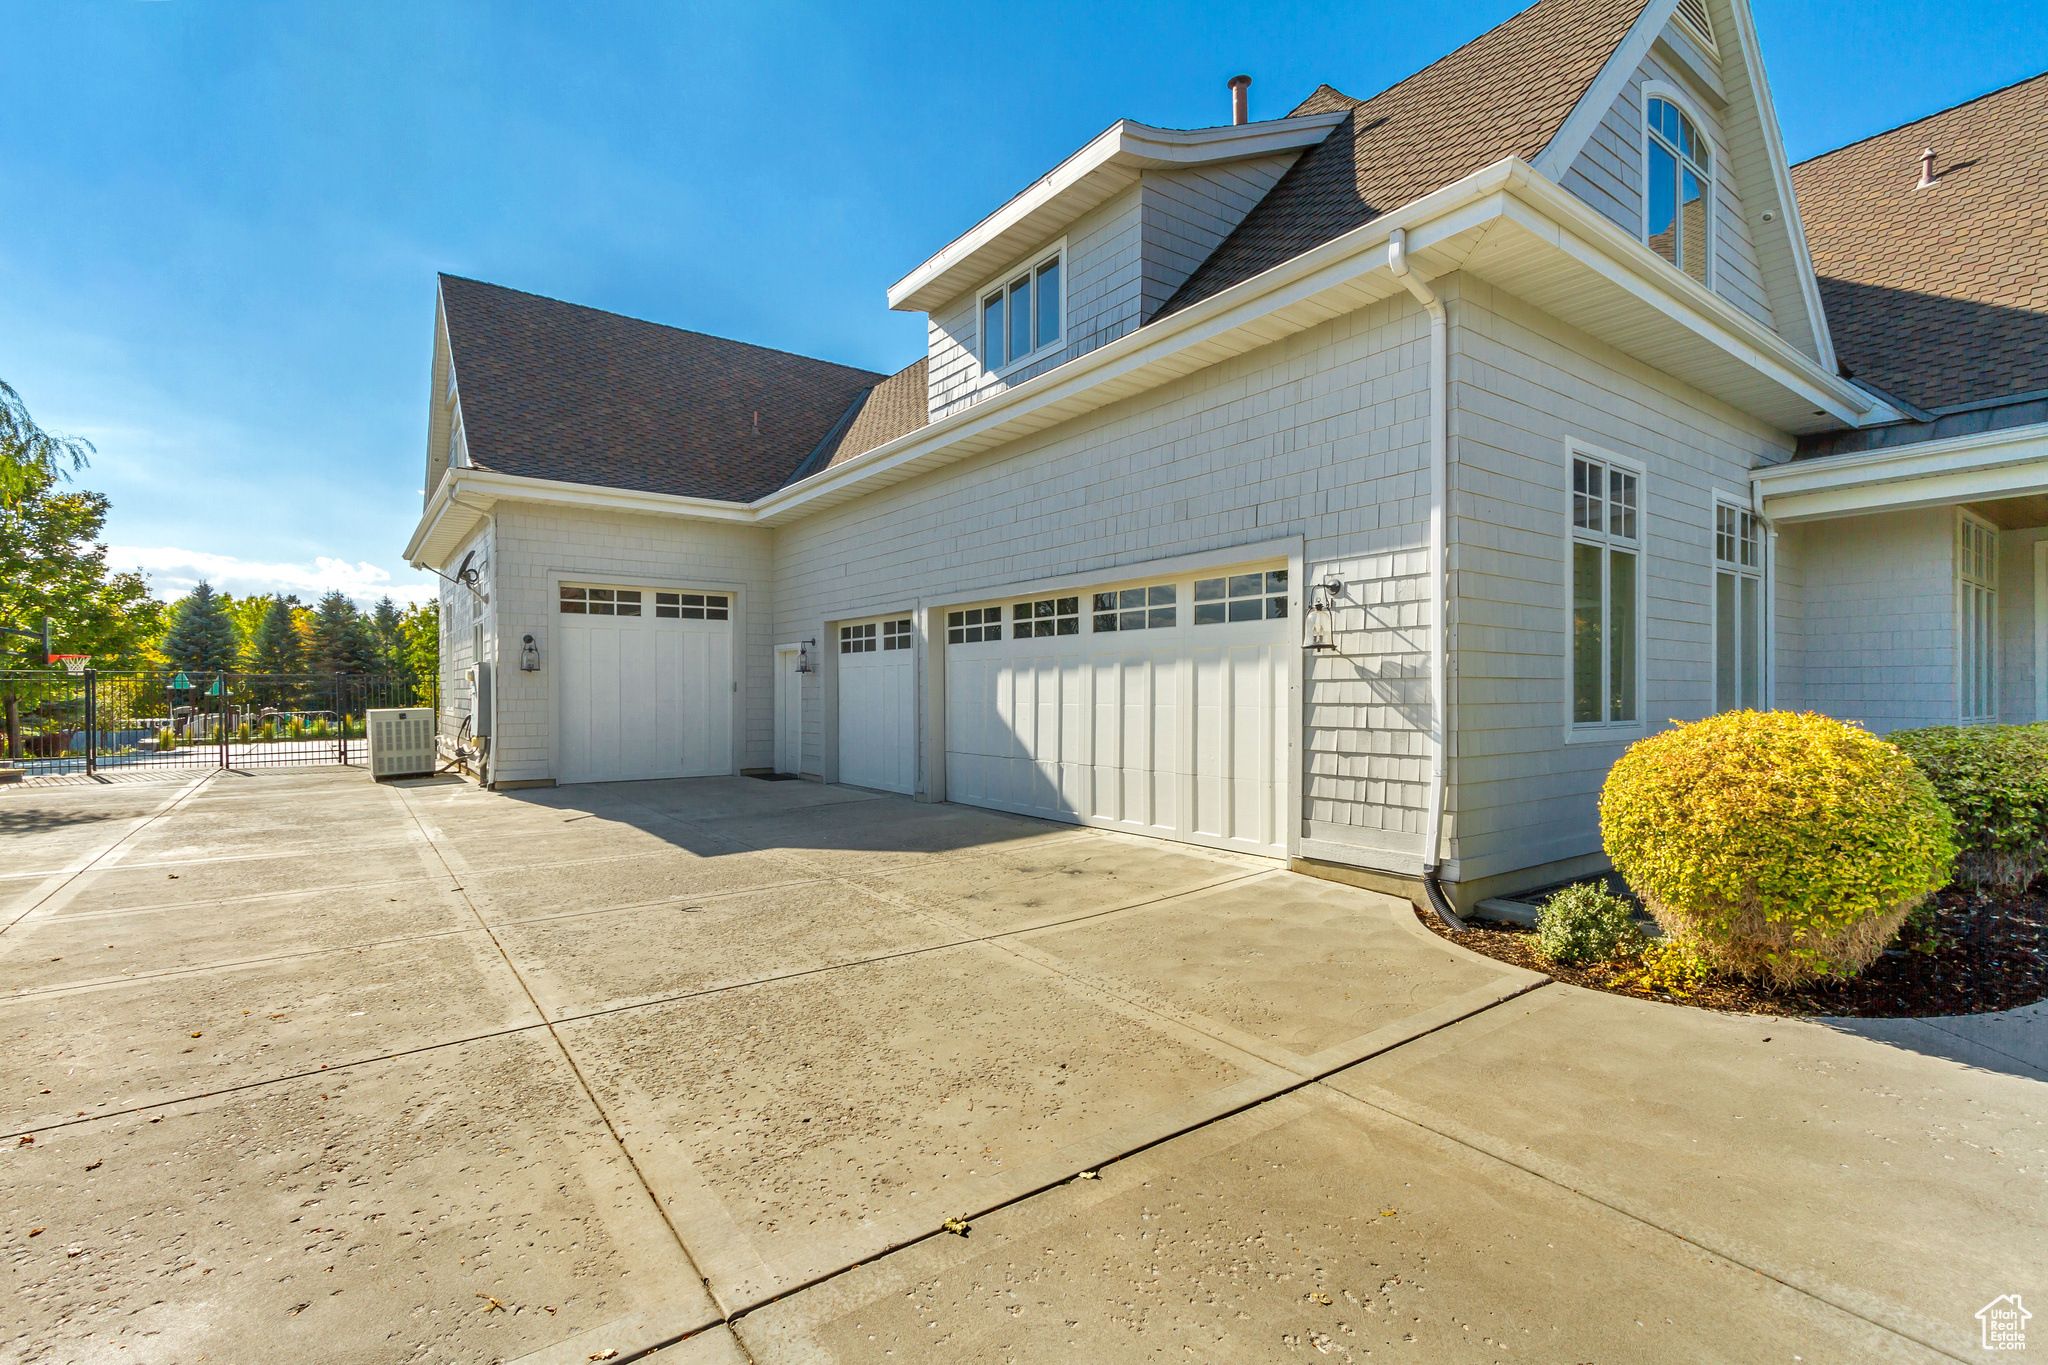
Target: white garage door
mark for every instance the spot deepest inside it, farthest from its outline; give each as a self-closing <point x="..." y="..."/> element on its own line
<point x="1157" y="707"/>
<point x="645" y="681"/>
<point x="877" y="705"/>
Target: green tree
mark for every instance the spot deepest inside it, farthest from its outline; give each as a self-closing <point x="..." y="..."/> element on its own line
<point x="202" y="636"/>
<point x="247" y="613"/>
<point x="53" y="564"/>
<point x="390" y="642"/>
<point x="343" y="641"/>
<point x="420" y="628"/>
<point x="275" y="646"/>
<point x="31" y="459"/>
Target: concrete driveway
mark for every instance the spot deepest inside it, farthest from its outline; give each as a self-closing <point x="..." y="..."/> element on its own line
<point x="317" y="1069"/>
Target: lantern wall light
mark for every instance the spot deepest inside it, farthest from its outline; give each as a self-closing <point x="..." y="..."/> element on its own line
<point x="1322" y="615"/>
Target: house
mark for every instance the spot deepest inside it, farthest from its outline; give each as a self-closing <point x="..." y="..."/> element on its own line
<point x="1349" y="487"/>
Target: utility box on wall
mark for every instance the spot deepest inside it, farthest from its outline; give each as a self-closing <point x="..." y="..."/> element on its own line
<point x="401" y="742"/>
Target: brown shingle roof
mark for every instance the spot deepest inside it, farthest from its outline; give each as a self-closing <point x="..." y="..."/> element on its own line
<point x="1505" y="93"/>
<point x="1939" y="296"/>
<point x="898" y="405"/>
<point x="552" y="390"/>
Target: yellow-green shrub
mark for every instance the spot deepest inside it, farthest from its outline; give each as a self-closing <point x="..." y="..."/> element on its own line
<point x="1994" y="780"/>
<point x="1783" y="846"/>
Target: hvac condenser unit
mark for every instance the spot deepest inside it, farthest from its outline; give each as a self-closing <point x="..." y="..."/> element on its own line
<point x="401" y="742"/>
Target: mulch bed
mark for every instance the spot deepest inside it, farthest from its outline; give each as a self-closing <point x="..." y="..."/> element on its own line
<point x="1973" y="957"/>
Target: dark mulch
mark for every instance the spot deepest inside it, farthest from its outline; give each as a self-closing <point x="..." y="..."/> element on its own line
<point x="1970" y="956"/>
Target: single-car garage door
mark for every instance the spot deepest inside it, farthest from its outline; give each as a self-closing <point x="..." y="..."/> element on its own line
<point x="1159" y="707"/>
<point x="878" y="705"/>
<point x="645" y="683"/>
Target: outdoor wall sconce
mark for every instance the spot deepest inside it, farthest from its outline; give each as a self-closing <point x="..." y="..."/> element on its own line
<point x="803" y="656"/>
<point x="1322" y="615"/>
<point x="529" y="656"/>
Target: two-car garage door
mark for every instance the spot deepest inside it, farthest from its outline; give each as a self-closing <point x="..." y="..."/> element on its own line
<point x="645" y="682"/>
<point x="1159" y="707"/>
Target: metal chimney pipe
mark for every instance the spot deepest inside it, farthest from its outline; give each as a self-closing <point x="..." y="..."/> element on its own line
<point x="1927" y="180"/>
<point x="1240" y="100"/>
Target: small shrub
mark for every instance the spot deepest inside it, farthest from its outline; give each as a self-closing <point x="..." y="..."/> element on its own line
<point x="1994" y="780"/>
<point x="1674" y="965"/>
<point x="1782" y="846"/>
<point x="321" y="729"/>
<point x="242" y="732"/>
<point x="166" y="740"/>
<point x="269" y="732"/>
<point x="1586" y="923"/>
<point x="295" y="729"/>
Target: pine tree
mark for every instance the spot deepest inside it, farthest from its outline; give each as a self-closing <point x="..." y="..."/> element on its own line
<point x="390" y="643"/>
<point x="275" y="646"/>
<point x="343" y="641"/>
<point x="202" y="635"/>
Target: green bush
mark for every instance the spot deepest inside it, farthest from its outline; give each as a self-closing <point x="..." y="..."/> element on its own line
<point x="321" y="729"/>
<point x="1586" y="923"/>
<point x="1994" y="780"/>
<point x="166" y="740"/>
<point x="1782" y="846"/>
<point x="242" y="732"/>
<point x="295" y="729"/>
<point x="269" y="732"/>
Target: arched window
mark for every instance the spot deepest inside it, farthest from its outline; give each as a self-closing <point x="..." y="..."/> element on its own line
<point x="1679" y="171"/>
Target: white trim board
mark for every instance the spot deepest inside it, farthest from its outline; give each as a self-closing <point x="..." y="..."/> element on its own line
<point x="1997" y="464"/>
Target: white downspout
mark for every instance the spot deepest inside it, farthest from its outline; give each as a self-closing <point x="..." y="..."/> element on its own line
<point x="1439" y="484"/>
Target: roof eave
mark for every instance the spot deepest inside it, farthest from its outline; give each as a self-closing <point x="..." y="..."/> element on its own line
<point x="2012" y="462"/>
<point x="1109" y="163"/>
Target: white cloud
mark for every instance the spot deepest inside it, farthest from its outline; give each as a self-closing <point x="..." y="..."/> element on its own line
<point x="174" y="572"/>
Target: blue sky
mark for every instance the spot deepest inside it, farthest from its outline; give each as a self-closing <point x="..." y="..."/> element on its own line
<point x="222" y="221"/>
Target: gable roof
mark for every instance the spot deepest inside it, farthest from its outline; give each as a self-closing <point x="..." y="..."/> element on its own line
<point x="1939" y="296"/>
<point x="1505" y="93"/>
<point x="553" y="390"/>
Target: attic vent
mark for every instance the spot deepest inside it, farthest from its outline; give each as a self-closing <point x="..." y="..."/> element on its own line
<point x="1694" y="14"/>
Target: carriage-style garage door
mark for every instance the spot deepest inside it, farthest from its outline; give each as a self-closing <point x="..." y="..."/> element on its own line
<point x="645" y="680"/>
<point x="1159" y="707"/>
<point x="878" y="705"/>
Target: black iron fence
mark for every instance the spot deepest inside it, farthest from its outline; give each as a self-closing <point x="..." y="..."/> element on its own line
<point x="97" y="721"/>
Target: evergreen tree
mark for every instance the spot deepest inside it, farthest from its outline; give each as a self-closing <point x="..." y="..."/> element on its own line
<point x="275" y="646"/>
<point x="343" y="641"/>
<point x="202" y="635"/>
<point x="390" y="643"/>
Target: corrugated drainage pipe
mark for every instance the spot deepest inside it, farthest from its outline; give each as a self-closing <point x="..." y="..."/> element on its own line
<point x="1439" y="481"/>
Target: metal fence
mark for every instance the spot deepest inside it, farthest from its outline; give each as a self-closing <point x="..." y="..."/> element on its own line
<point x="98" y="721"/>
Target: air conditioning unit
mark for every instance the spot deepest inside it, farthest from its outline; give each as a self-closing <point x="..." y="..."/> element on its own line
<point x="401" y="742"/>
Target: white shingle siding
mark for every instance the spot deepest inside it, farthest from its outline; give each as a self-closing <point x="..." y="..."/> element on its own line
<point x="1522" y="384"/>
<point x="1608" y="174"/>
<point x="461" y="610"/>
<point x="535" y="541"/>
<point x="2016" y="625"/>
<point x="1878" y="627"/>
<point x="1188" y="213"/>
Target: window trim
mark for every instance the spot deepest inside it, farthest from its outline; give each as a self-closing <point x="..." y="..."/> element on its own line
<point x="1606" y="731"/>
<point x="1664" y="90"/>
<point x="1002" y="280"/>
<point x="1766" y="645"/>
<point x="1988" y="585"/>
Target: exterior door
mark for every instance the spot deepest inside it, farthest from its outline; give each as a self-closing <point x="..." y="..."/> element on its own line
<point x="878" y="705"/>
<point x="645" y="683"/>
<point x="789" y="709"/>
<point x="1159" y="707"/>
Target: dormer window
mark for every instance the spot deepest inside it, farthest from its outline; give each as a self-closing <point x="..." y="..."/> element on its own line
<point x="1679" y="170"/>
<point x="1021" y="313"/>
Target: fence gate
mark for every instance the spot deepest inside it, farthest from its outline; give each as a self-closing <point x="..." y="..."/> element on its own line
<point x="105" y="722"/>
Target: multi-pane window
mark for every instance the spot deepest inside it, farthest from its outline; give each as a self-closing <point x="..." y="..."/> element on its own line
<point x="896" y="634"/>
<point x="1047" y="616"/>
<point x="1738" y="610"/>
<point x="1606" y="559"/>
<point x="857" y="639"/>
<point x="1977" y="617"/>
<point x="600" y="601"/>
<point x="972" y="626"/>
<point x="1150" y="608"/>
<point x="1021" y="316"/>
<point x="692" y="606"/>
<point x="1678" y="169"/>
<point x="1241" y="597"/>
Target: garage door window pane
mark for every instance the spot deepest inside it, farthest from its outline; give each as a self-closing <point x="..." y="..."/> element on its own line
<point x="857" y="639"/>
<point x="629" y="603"/>
<point x="972" y="626"/>
<point x="1241" y="597"/>
<point x="1137" y="608"/>
<point x="600" y="601"/>
<point x="896" y="634"/>
<point x="573" y="601"/>
<point x="1047" y="617"/>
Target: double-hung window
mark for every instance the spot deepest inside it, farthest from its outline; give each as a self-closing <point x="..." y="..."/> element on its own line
<point x="1738" y="610"/>
<point x="1021" y="314"/>
<point x="1977" y="617"/>
<point x="1606" y="570"/>
<point x="1678" y="175"/>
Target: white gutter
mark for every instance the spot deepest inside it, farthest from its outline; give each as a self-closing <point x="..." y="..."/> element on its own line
<point x="2011" y="462"/>
<point x="1439" y="604"/>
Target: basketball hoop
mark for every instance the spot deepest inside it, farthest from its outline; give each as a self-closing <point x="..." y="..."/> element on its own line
<point x="73" y="663"/>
